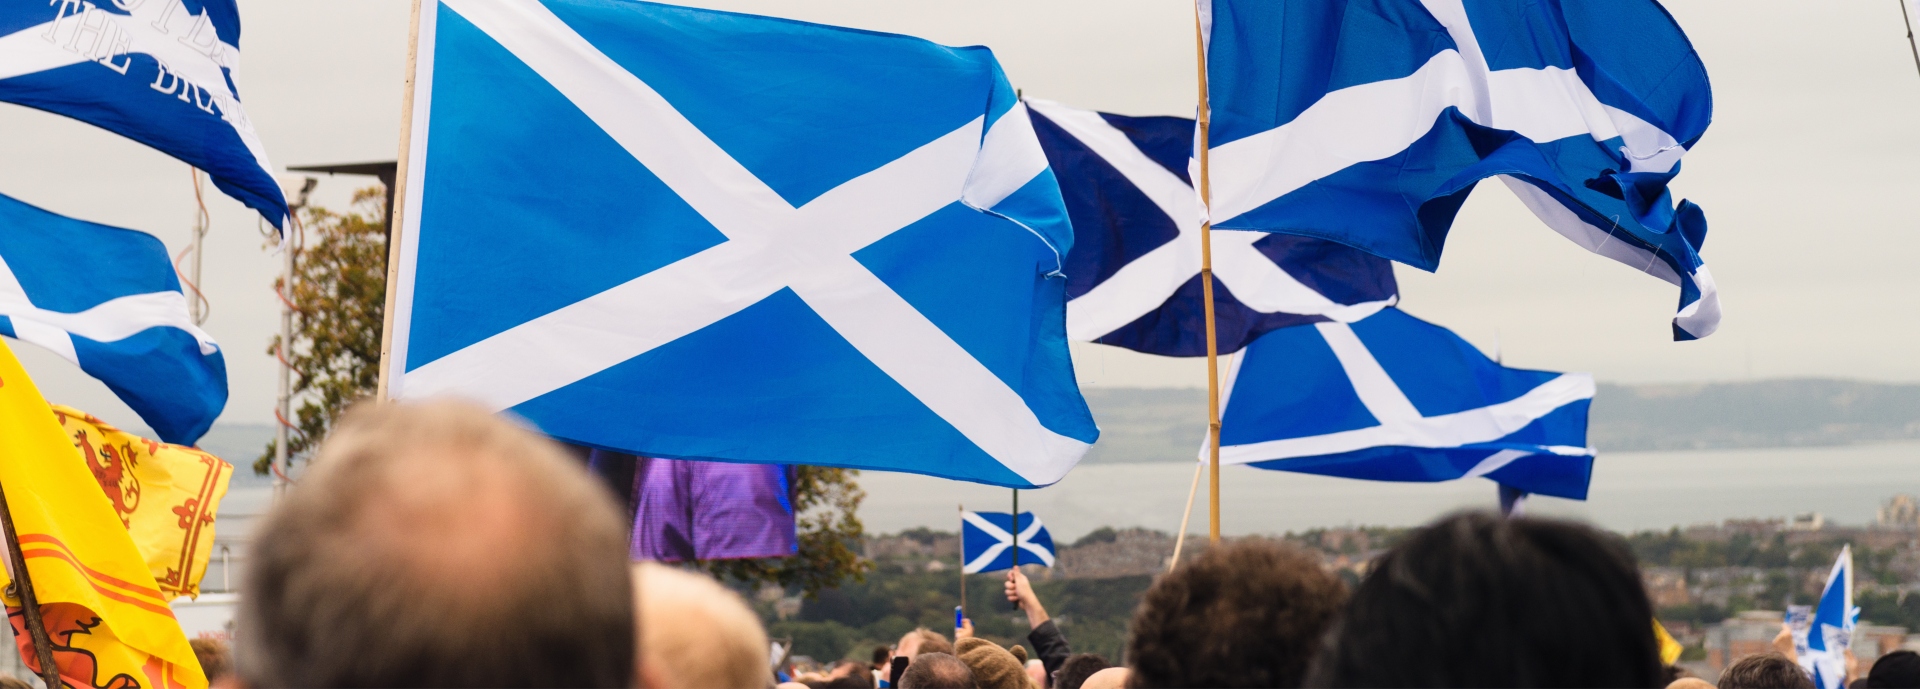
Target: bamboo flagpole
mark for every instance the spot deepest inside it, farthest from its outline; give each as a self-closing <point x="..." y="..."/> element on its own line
<point x="1206" y="291"/>
<point x="29" y="603"/>
<point x="399" y="202"/>
<point x="1180" y="541"/>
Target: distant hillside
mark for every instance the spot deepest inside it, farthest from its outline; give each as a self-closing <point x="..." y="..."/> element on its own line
<point x="1771" y="413"/>
<point x="1166" y="424"/>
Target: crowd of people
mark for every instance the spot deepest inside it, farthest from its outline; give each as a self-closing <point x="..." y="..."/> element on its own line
<point x="438" y="545"/>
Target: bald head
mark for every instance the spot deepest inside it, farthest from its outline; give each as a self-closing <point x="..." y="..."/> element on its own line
<point x="438" y="545"/>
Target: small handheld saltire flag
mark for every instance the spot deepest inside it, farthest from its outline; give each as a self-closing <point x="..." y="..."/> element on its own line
<point x="107" y="299"/>
<point x="689" y="510"/>
<point x="1830" y="632"/>
<point x="1368" y="122"/>
<point x="159" y="72"/>
<point x="1133" y="277"/>
<point x="167" y="496"/>
<point x="110" y="623"/>
<point x="987" y="541"/>
<point x="701" y="235"/>
<point x="1394" y="398"/>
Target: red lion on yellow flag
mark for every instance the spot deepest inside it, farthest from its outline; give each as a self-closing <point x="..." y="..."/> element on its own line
<point x="166" y="495"/>
<point x="108" y="617"/>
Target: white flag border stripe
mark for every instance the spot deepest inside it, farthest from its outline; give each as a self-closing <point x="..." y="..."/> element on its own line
<point x="764" y="251"/>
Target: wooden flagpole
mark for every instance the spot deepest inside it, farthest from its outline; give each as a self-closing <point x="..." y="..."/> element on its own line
<point x="1206" y="293"/>
<point x="399" y="205"/>
<point x="29" y="602"/>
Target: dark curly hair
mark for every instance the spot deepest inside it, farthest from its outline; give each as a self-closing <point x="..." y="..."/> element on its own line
<point x="1765" y="671"/>
<point x="1477" y="600"/>
<point x="1249" y="614"/>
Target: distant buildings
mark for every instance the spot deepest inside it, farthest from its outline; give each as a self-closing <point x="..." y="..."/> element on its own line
<point x="1902" y="512"/>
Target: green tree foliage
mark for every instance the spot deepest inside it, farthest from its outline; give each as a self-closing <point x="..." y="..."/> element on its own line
<point x="339" y="288"/>
<point x="339" y="293"/>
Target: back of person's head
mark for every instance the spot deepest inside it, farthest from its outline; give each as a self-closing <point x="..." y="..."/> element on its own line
<point x="1768" y="670"/>
<point x="937" y="671"/>
<point x="1110" y="678"/>
<point x="1249" y="614"/>
<point x="859" y="680"/>
<point x="216" y="658"/>
<point x="1896" y="670"/>
<point x="1483" y="601"/>
<point x="1077" y="668"/>
<point x="437" y="545"/>
<point x="881" y="654"/>
<point x="932" y="642"/>
<point x="993" y="667"/>
<point x="696" y="633"/>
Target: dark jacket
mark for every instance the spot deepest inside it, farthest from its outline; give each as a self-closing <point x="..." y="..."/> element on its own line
<point x="1050" y="645"/>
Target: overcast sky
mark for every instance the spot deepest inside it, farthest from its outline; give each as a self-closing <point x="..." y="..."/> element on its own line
<point x="1808" y="176"/>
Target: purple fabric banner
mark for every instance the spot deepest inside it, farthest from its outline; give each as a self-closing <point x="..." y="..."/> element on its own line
<point x="689" y="510"/>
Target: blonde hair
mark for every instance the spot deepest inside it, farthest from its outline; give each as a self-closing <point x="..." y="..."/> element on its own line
<point x="696" y="633"/>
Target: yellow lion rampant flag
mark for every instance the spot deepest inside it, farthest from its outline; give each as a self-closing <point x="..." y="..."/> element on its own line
<point x="166" y="495"/>
<point x="110" y="623"/>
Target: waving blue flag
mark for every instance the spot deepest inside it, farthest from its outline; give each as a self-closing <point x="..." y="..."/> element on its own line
<point x="701" y="235"/>
<point x="107" y="299"/>
<point x="1830" y="631"/>
<point x="1133" y="277"/>
<point x="1394" y="398"/>
<point x="987" y="541"/>
<point x="159" y="72"/>
<point x="1368" y="122"/>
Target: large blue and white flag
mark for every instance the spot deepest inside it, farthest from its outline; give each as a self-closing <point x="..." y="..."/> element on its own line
<point x="702" y="235"/>
<point x="1133" y="277"/>
<point x="159" y="72"/>
<point x="1830" y="632"/>
<point x="1394" y="398"/>
<point x="1368" y="122"/>
<point x="987" y="542"/>
<point x="107" y="299"/>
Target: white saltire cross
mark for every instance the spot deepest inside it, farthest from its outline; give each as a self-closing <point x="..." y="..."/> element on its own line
<point x="1400" y="422"/>
<point x="1146" y="283"/>
<point x="770" y="246"/>
<point x="1003" y="541"/>
<point x="110" y="321"/>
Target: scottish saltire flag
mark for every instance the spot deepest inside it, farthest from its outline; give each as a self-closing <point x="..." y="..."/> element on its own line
<point x="1368" y="122"/>
<point x="987" y="541"/>
<point x="1133" y="277"/>
<point x="1830" y="632"/>
<point x="1394" y="398"/>
<point x="688" y="510"/>
<point x="159" y="72"/>
<point x="701" y="235"/>
<point x="107" y="299"/>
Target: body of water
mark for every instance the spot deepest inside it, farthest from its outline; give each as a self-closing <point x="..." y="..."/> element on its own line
<point x="1631" y="491"/>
